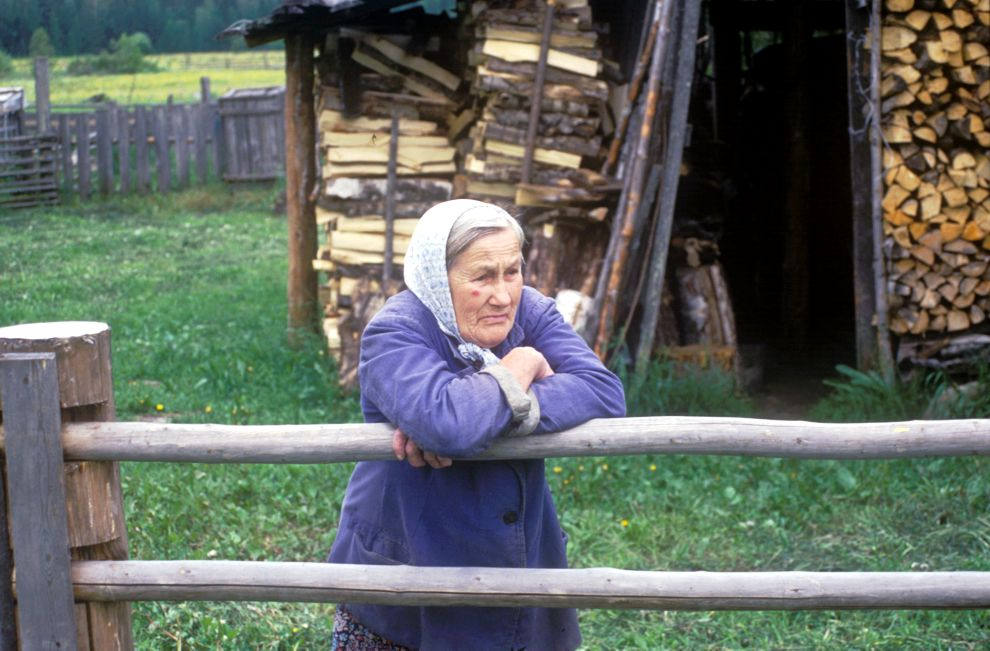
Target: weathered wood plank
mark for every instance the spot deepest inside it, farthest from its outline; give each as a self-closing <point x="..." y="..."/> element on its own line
<point x="65" y="153"/>
<point x="556" y="588"/>
<point x="39" y="529"/>
<point x="201" y="133"/>
<point x="8" y="623"/>
<point x="617" y="436"/>
<point x="104" y="151"/>
<point x="82" y="153"/>
<point x="124" y="149"/>
<point x="162" y="134"/>
<point x="182" y="148"/>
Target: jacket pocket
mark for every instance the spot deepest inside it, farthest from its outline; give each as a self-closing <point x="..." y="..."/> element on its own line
<point x="376" y="547"/>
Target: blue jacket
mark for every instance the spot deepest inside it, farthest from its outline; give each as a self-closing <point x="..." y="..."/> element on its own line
<point x="474" y="513"/>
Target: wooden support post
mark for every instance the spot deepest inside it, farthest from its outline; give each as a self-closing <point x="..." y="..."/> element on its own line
<point x="884" y="354"/>
<point x="393" y="157"/>
<point x="300" y="177"/>
<point x="683" y="81"/>
<point x="858" y="93"/>
<point x="42" y="98"/>
<point x="36" y="491"/>
<point x="536" y="98"/>
<point x="95" y="513"/>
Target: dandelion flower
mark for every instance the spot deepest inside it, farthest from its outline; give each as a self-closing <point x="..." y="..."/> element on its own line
<point x="159" y="407"/>
<point x="581" y="467"/>
<point x="208" y="409"/>
<point x="653" y="467"/>
<point x="624" y="522"/>
<point x="604" y="466"/>
<point x="558" y="470"/>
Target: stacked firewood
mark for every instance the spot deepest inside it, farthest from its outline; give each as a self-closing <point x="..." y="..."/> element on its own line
<point x="563" y="200"/>
<point x="936" y="125"/>
<point x="391" y="91"/>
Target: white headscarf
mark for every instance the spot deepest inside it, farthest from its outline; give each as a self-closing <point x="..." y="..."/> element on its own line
<point x="426" y="270"/>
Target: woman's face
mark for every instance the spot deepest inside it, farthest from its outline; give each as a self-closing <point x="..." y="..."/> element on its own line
<point x="485" y="285"/>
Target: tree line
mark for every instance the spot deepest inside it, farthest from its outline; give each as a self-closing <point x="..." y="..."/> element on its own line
<point x="75" y="27"/>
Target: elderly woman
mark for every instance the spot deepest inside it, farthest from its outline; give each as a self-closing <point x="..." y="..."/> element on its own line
<point x="465" y="356"/>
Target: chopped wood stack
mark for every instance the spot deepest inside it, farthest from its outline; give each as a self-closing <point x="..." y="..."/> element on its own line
<point x="416" y="92"/>
<point x="936" y="125"/>
<point x="563" y="202"/>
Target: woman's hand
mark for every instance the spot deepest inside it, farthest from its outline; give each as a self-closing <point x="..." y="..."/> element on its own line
<point x="405" y="448"/>
<point x="527" y="365"/>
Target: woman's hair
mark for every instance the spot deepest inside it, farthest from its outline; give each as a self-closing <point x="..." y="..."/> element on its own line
<point x="474" y="224"/>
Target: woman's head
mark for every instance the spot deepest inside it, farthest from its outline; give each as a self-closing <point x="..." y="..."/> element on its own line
<point x="484" y="270"/>
<point x="464" y="263"/>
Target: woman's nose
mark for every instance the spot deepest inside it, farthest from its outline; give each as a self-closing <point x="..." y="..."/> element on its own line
<point x="501" y="295"/>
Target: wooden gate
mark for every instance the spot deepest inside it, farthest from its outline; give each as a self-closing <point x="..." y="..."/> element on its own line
<point x="27" y="171"/>
<point x="253" y="125"/>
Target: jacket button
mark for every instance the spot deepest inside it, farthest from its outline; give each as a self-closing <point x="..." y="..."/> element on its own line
<point x="510" y="517"/>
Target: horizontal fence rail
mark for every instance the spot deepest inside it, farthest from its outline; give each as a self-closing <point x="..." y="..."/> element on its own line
<point x="137" y="441"/>
<point x="555" y="588"/>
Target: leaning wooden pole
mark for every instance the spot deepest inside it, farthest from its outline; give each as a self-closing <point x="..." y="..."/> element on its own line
<point x="536" y="98"/>
<point x="300" y="180"/>
<point x="555" y="588"/>
<point x="637" y="176"/>
<point x="884" y="355"/>
<point x="634" y="85"/>
<point x="683" y="80"/>
<point x="96" y="526"/>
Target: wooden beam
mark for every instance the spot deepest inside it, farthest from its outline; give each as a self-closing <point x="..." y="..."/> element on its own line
<point x="138" y="441"/>
<point x="536" y="94"/>
<point x="858" y="77"/>
<point x="36" y="490"/>
<point x="300" y="183"/>
<point x="556" y="588"/>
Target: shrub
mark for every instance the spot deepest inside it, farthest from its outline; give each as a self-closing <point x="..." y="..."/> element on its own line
<point x="667" y="390"/>
<point x="126" y="56"/>
<point x="6" y="65"/>
<point x="40" y="44"/>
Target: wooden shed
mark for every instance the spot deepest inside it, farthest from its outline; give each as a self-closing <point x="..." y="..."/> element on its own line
<point x="787" y="187"/>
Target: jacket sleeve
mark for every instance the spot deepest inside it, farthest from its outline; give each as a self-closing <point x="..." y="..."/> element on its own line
<point x="455" y="415"/>
<point x="581" y="387"/>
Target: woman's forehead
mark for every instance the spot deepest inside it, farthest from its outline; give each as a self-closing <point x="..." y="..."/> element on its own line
<point x="492" y="250"/>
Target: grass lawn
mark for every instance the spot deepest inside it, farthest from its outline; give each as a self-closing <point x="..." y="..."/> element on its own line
<point x="193" y="286"/>
<point x="178" y="75"/>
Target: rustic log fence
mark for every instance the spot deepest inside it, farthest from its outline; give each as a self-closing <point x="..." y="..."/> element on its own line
<point x="54" y="374"/>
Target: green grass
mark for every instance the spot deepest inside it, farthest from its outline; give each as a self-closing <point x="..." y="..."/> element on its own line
<point x="178" y="75"/>
<point x="193" y="285"/>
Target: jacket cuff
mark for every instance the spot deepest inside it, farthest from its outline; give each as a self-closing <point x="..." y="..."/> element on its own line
<point x="519" y="402"/>
<point x="532" y="418"/>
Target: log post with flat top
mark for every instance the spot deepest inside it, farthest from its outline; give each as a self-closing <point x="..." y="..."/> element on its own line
<point x="96" y="528"/>
<point x="300" y="176"/>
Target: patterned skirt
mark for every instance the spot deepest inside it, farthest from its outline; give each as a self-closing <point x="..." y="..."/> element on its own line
<point x="350" y="635"/>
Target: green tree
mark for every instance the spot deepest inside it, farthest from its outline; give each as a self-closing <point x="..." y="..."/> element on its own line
<point x="41" y="44"/>
<point x="6" y="65"/>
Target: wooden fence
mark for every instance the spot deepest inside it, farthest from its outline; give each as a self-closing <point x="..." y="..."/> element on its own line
<point x="42" y="390"/>
<point x="113" y="149"/>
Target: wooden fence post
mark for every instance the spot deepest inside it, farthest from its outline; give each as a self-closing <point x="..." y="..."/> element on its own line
<point x="65" y="148"/>
<point x="82" y="153"/>
<point x="41" y="94"/>
<point x="141" y="149"/>
<point x="124" y="148"/>
<point x="96" y="528"/>
<point x="36" y="492"/>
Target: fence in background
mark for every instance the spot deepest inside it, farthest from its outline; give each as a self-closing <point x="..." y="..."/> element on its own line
<point x="54" y="374"/>
<point x="105" y="149"/>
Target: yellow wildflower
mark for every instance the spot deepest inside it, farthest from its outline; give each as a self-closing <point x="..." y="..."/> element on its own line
<point x="653" y="467"/>
<point x="159" y="407"/>
<point x="208" y="409"/>
<point x="558" y="470"/>
<point x="624" y="522"/>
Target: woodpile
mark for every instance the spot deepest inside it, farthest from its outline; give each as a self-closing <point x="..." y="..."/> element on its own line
<point x="563" y="201"/>
<point x="936" y="125"/>
<point x="396" y="95"/>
